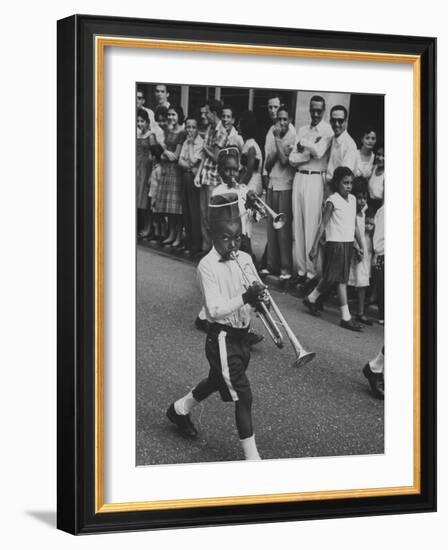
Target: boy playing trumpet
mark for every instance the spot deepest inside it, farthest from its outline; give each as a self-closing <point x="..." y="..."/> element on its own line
<point x="228" y="304"/>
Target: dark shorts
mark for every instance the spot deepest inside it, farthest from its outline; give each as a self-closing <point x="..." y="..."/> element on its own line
<point x="228" y="353"/>
<point x="337" y="260"/>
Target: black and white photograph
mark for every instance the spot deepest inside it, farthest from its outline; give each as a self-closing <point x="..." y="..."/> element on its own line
<point x="260" y="260"/>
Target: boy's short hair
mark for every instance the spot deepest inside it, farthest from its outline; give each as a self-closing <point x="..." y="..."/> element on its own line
<point x="191" y="117"/>
<point x="360" y="186"/>
<point x="285" y="108"/>
<point x="228" y="108"/>
<point x="215" y="106"/>
<point x="160" y="112"/>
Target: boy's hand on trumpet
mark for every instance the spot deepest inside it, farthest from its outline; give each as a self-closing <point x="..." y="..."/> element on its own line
<point x="255" y="294"/>
<point x="251" y="199"/>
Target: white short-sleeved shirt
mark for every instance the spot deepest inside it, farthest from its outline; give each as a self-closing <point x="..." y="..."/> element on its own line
<point x="341" y="227"/>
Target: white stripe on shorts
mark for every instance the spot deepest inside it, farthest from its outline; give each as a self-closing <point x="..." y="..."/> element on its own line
<point x="225" y="365"/>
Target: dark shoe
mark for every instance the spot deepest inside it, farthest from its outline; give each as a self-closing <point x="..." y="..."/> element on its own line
<point x="182" y="421"/>
<point x="350" y="325"/>
<point x="309" y="285"/>
<point x="364" y="320"/>
<point x="313" y="308"/>
<point x="254" y="338"/>
<point x="201" y="324"/>
<point x="376" y="381"/>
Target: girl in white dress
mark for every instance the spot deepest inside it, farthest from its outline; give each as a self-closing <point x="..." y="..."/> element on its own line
<point x="376" y="182"/>
<point x="361" y="264"/>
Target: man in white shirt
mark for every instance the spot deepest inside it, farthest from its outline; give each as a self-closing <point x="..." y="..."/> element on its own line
<point x="310" y="158"/>
<point x="343" y="150"/>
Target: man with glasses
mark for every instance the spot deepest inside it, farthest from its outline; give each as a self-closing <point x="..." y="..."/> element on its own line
<point x="343" y="149"/>
<point x="310" y="158"/>
<point x="141" y="100"/>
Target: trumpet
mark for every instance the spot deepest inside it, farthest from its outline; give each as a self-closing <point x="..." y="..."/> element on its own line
<point x="271" y="325"/>
<point x="278" y="220"/>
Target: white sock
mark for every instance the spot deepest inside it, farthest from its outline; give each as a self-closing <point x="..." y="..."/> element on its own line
<point x="345" y="313"/>
<point x="249" y="448"/>
<point x="313" y="296"/>
<point x="185" y="404"/>
<point x="202" y="315"/>
<point x="301" y="273"/>
<point x="377" y="364"/>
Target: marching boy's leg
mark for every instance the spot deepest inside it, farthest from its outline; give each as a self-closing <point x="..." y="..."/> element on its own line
<point x="179" y="411"/>
<point x="243" y="418"/>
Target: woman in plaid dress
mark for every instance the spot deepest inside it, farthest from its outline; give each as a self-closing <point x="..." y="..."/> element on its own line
<point x="169" y="193"/>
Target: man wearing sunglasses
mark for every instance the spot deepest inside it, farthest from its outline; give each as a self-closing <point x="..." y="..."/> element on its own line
<point x="141" y="100"/>
<point x="343" y="148"/>
<point x="310" y="158"/>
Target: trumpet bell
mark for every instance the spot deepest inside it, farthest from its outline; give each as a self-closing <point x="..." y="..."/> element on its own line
<point x="279" y="221"/>
<point x="304" y="358"/>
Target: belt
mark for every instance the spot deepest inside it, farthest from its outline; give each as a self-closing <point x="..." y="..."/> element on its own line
<point x="237" y="332"/>
<point x="309" y="172"/>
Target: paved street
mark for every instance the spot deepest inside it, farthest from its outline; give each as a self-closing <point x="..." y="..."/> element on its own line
<point x="323" y="409"/>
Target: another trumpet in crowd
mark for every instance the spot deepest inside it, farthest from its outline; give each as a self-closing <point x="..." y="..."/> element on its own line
<point x="278" y="220"/>
<point x="271" y="325"/>
<point x="254" y="202"/>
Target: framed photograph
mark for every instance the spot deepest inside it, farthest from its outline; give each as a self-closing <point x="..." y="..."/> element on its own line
<point x="233" y="346"/>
